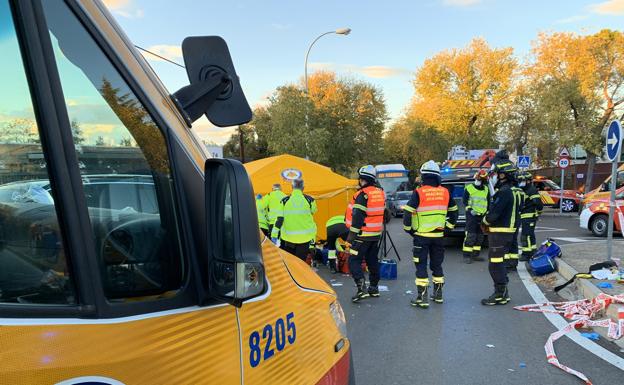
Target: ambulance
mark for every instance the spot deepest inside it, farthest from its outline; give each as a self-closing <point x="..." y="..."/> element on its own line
<point x="127" y="254"/>
<point x="550" y="192"/>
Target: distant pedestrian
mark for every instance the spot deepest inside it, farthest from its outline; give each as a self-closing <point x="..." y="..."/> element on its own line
<point x="429" y="211"/>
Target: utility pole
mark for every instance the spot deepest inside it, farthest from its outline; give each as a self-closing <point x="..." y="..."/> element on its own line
<point x="241" y="144"/>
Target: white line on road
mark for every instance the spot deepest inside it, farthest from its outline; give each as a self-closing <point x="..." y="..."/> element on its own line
<point x="572" y="240"/>
<point x="559" y="322"/>
<point x="540" y="229"/>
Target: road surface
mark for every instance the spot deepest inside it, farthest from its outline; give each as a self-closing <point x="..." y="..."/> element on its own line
<point x="394" y="343"/>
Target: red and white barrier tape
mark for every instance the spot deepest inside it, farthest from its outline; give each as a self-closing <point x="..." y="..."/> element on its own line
<point x="581" y="312"/>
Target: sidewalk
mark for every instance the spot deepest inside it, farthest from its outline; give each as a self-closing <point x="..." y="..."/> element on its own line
<point x="578" y="257"/>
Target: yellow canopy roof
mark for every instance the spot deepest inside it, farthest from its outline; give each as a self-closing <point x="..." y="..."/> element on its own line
<point x="318" y="179"/>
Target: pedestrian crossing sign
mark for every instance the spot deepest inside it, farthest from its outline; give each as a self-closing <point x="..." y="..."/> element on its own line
<point x="524" y="161"/>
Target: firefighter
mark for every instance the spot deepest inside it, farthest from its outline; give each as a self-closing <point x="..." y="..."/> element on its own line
<point x="263" y="220"/>
<point x="295" y="224"/>
<point x="337" y="233"/>
<point x="272" y="202"/>
<point x="476" y="197"/>
<point x="432" y="210"/>
<point x="530" y="212"/>
<point x="512" y="257"/>
<point x="501" y="222"/>
<point x="364" y="219"/>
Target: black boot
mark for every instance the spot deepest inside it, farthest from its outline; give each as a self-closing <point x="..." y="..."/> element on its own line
<point x="500" y="296"/>
<point x="436" y="296"/>
<point x="467" y="258"/>
<point x="361" y="291"/>
<point x="373" y="291"/>
<point x="421" y="299"/>
<point x="332" y="266"/>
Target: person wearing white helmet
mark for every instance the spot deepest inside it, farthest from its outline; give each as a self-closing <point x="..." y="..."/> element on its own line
<point x="429" y="211"/>
<point x="364" y="219"/>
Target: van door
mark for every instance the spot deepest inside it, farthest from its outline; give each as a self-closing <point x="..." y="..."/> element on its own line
<point x="143" y="325"/>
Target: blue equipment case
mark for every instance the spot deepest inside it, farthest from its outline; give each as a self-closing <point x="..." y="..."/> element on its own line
<point x="388" y="269"/>
<point x="544" y="262"/>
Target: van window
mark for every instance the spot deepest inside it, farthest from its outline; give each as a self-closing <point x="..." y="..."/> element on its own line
<point x="123" y="159"/>
<point x="33" y="265"/>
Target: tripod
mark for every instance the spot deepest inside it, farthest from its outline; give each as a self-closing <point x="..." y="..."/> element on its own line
<point x="384" y="250"/>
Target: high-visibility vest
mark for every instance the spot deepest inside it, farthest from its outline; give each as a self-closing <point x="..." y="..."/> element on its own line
<point x="263" y="220"/>
<point x="273" y="202"/>
<point x="299" y="226"/>
<point x="375" y="207"/>
<point x="477" y="200"/>
<point x="335" y="220"/>
<point x="430" y="215"/>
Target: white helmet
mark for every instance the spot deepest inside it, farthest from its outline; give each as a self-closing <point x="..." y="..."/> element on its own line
<point x="368" y="172"/>
<point x="430" y="167"/>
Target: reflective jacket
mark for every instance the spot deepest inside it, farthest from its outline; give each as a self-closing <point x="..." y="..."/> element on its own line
<point x="476" y="198"/>
<point x="263" y="220"/>
<point x="503" y="215"/>
<point x="429" y="207"/>
<point x="272" y="202"/>
<point x="365" y="213"/>
<point x="295" y="223"/>
<point x="533" y="205"/>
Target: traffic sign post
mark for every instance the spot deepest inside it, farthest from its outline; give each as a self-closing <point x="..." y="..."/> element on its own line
<point x="524" y="161"/>
<point x="614" y="148"/>
<point x="563" y="163"/>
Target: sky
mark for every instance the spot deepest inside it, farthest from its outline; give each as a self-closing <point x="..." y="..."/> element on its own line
<point x="389" y="39"/>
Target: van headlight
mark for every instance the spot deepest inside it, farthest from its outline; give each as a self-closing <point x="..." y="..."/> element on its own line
<point x="339" y="318"/>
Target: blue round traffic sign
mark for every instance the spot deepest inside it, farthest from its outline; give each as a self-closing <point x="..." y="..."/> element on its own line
<point x="614" y="140"/>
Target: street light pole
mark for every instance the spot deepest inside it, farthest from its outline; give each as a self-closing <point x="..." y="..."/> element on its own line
<point x="340" y="31"/>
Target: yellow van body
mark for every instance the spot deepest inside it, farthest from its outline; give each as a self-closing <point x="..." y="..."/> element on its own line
<point x="294" y="333"/>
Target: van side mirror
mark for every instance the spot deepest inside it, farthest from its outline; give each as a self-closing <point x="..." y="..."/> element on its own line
<point x="215" y="89"/>
<point x="236" y="269"/>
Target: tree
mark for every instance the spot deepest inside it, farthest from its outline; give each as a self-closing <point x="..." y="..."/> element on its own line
<point x="19" y="131"/>
<point x="231" y="149"/>
<point x="339" y="122"/>
<point x="99" y="141"/>
<point x="581" y="78"/>
<point x="77" y="133"/>
<point x="412" y="142"/>
<point x="461" y="92"/>
<point x="125" y="142"/>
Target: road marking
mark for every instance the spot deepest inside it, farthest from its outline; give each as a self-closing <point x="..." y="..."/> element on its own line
<point x="571" y="240"/>
<point x="545" y="229"/>
<point x="559" y="322"/>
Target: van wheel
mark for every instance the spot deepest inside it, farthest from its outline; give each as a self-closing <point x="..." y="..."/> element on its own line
<point x="599" y="225"/>
<point x="568" y="206"/>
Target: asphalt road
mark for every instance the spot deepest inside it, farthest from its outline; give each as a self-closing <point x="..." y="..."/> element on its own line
<point x="394" y="343"/>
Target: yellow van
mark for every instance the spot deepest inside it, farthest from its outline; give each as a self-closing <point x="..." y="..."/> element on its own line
<point x="127" y="256"/>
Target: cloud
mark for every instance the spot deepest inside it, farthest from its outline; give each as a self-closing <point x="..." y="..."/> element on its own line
<point x="124" y="8"/>
<point x="572" y="19"/>
<point x="610" y="7"/>
<point x="382" y="72"/>
<point x="171" y="52"/>
<point x="460" y="3"/>
<point x="376" y="71"/>
<point x="209" y="132"/>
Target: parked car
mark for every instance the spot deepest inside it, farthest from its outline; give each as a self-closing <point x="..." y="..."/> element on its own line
<point x="396" y="201"/>
<point x="551" y="195"/>
<point x="595" y="215"/>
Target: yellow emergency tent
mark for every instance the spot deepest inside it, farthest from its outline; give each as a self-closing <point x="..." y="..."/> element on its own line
<point x="331" y="191"/>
